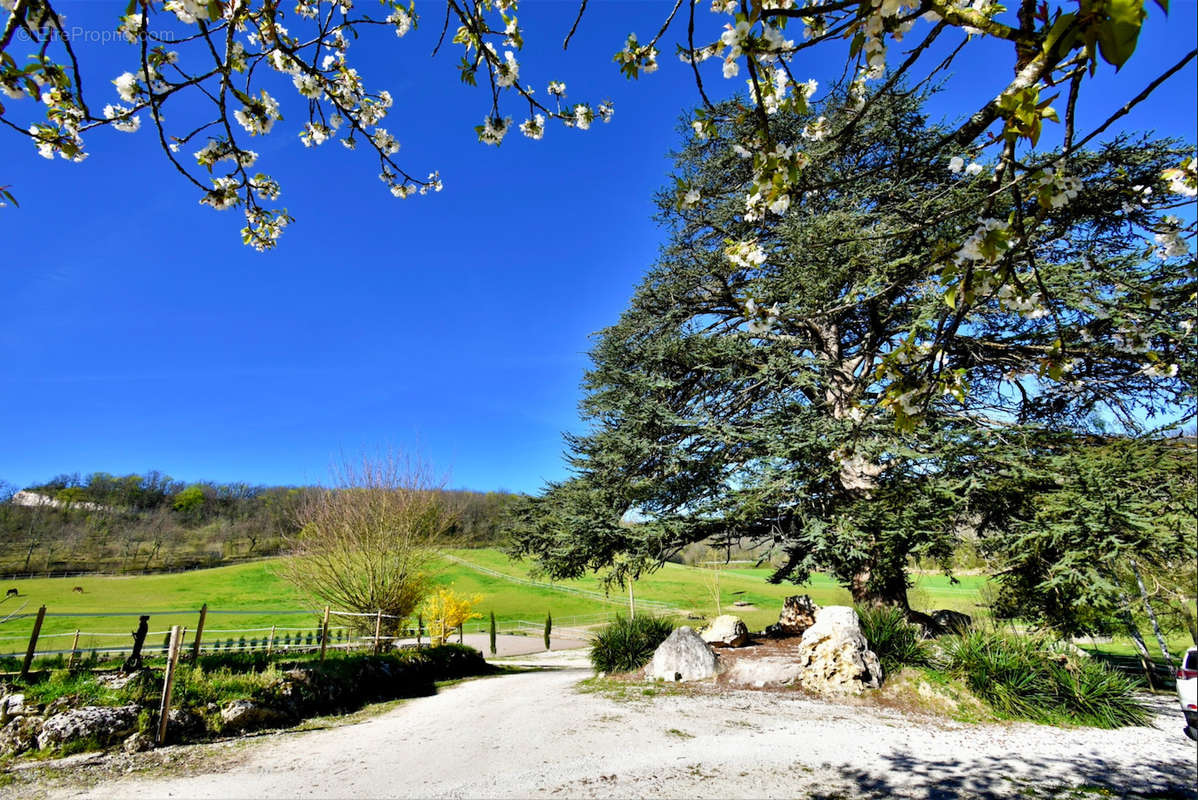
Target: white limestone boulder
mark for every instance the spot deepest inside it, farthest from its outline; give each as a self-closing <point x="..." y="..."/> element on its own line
<point x="683" y="656"/>
<point x="834" y="654"/>
<point x="727" y="630"/>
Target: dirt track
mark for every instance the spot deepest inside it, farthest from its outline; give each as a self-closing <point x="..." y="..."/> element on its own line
<point x="536" y="735"/>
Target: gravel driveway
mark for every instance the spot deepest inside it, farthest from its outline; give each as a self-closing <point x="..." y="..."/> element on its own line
<point x="537" y="735"/>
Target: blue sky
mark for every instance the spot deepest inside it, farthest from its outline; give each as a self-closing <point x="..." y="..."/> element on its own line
<point x="138" y="333"/>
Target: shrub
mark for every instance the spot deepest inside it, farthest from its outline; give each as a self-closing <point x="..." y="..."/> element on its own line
<point x="897" y="642"/>
<point x="628" y="644"/>
<point x="1026" y="678"/>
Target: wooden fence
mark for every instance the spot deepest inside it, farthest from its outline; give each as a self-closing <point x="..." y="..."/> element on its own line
<point x="213" y="631"/>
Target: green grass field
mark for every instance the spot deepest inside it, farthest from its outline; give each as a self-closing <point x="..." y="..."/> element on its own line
<point x="174" y="599"/>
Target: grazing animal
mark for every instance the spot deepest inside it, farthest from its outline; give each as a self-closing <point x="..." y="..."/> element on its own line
<point x="12" y="593"/>
<point x="78" y="590"/>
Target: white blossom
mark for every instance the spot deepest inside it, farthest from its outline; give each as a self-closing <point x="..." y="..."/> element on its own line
<point x="507" y="72"/>
<point x="533" y="128"/>
<point x="402" y="21"/>
<point x="123" y="121"/>
<point x="127" y="87"/>
<point x="384" y="141"/>
<point x="493" y="130"/>
<point x="746" y="255"/>
<point x="1183" y="180"/>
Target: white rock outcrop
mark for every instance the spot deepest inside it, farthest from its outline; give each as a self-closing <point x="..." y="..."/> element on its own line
<point x="104" y="724"/>
<point x="798" y="614"/>
<point x="834" y="655"/>
<point x="727" y="630"/>
<point x="683" y="656"/>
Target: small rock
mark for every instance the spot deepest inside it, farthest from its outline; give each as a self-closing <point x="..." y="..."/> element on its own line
<point x="183" y="724"/>
<point x="11" y="706"/>
<point x="798" y="614"/>
<point x="138" y="743"/>
<point x="116" y="680"/>
<point x="727" y="630"/>
<point x="59" y="705"/>
<point x="240" y="715"/>
<point x="19" y="735"/>
<point x="948" y="621"/>
<point x="683" y="656"/>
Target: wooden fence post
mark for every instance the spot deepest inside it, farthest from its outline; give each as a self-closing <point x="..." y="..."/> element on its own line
<point x="74" y="649"/>
<point x="195" y="647"/>
<point x="324" y="632"/>
<point x="419" y="628"/>
<point x="270" y="643"/>
<point x="378" y="626"/>
<point x="461" y="634"/>
<point x="168" y="683"/>
<point x="37" y="630"/>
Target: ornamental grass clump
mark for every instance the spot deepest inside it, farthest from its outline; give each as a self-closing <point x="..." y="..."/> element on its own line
<point x="627" y="644"/>
<point x="1035" y="679"/>
<point x="896" y="641"/>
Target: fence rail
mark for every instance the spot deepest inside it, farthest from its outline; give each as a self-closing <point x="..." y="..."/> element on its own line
<point x="197" y="638"/>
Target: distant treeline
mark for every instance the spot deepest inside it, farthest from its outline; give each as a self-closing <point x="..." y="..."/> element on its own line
<point x="151" y="522"/>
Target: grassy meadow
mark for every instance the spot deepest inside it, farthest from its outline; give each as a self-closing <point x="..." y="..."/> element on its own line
<point x="506" y="587"/>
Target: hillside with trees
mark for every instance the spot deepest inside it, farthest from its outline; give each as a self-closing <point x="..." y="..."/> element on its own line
<point x="151" y="522"/>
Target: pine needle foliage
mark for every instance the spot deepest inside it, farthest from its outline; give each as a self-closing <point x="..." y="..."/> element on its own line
<point x="816" y="394"/>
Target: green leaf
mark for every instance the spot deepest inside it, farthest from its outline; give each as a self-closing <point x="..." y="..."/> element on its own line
<point x="1117" y="35"/>
<point x="950" y="297"/>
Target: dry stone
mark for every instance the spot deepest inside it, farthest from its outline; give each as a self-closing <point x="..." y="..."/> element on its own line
<point x="104" y="724"/>
<point x="798" y="614"/>
<point x="240" y="715"/>
<point x="834" y="654"/>
<point x="19" y="735"/>
<point x="683" y="656"/>
<point x="765" y="671"/>
<point x="12" y="705"/>
<point x="727" y="630"/>
<point x="139" y="742"/>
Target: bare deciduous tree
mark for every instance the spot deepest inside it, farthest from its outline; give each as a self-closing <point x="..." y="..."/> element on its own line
<point x="368" y="542"/>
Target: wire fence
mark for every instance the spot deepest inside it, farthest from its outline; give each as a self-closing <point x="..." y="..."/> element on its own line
<point x="81" y="634"/>
<point x="328" y="631"/>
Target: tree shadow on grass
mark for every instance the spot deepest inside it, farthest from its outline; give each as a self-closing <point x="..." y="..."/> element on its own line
<point x="1014" y="775"/>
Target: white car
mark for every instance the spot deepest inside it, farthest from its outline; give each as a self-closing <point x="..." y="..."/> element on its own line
<point x="1187" y="690"/>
